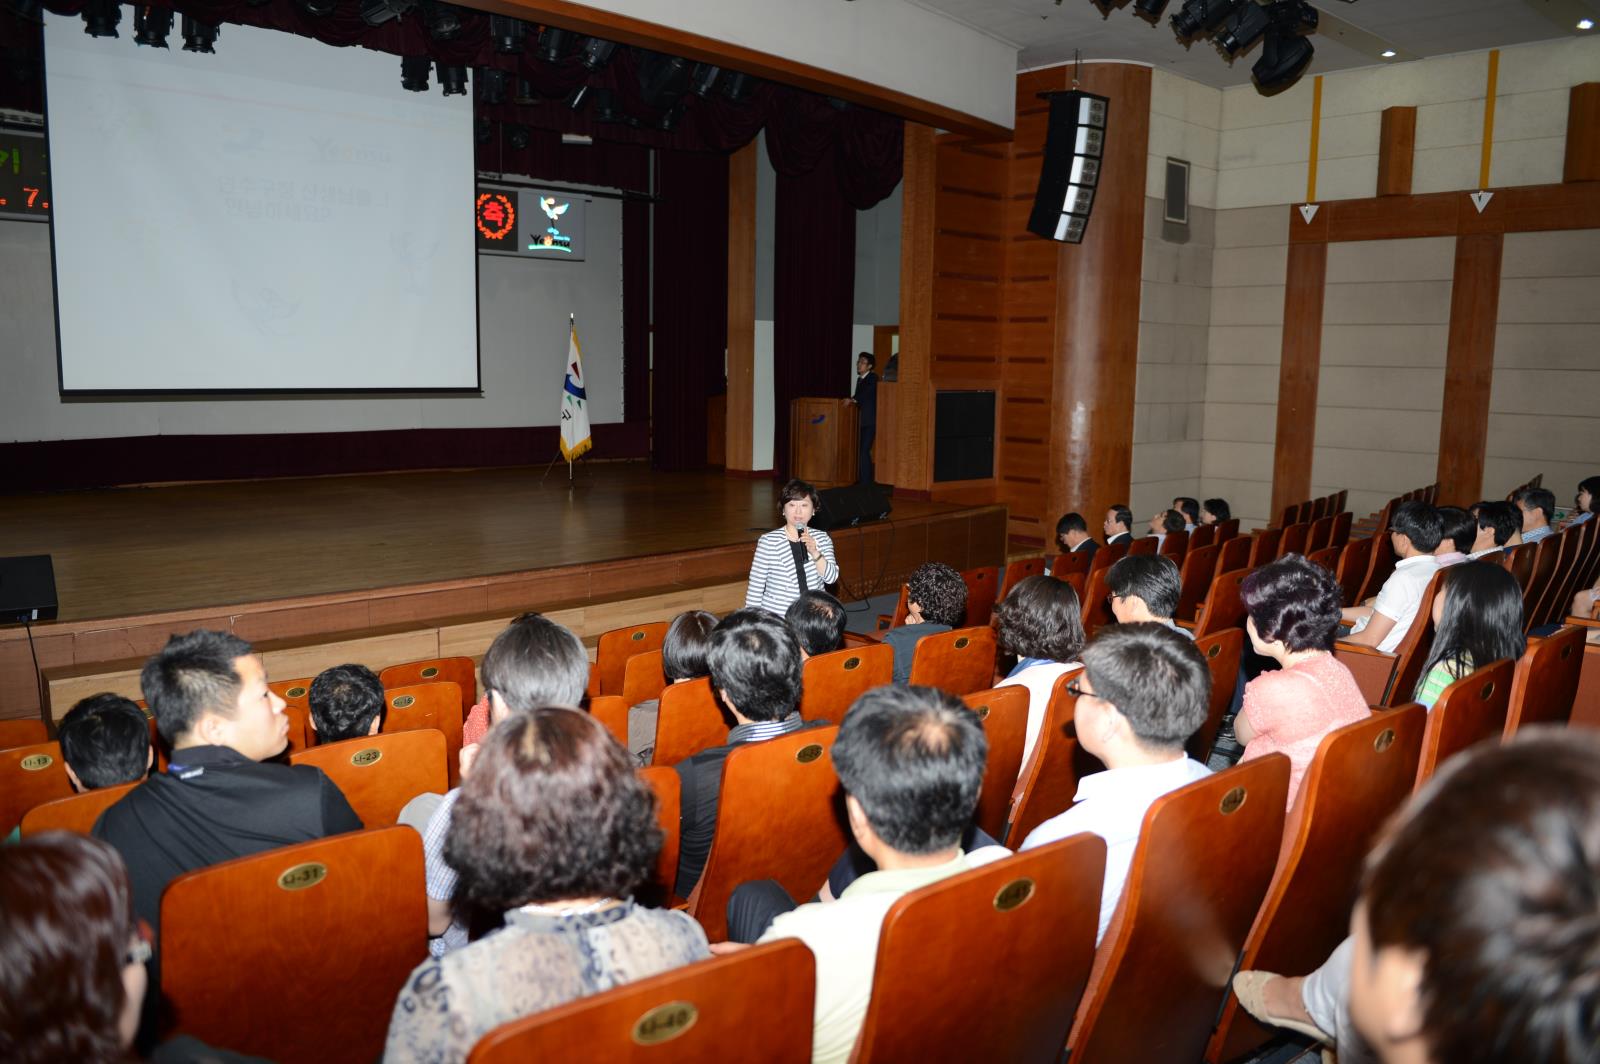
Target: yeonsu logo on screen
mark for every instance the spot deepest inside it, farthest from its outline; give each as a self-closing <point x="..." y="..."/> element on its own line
<point x="552" y="239"/>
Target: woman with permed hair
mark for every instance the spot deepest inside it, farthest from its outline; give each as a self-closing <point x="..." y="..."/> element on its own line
<point x="1041" y="622"/>
<point x="792" y="559"/>
<point x="554" y="830"/>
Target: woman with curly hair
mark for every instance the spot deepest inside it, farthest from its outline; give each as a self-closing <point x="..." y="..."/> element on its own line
<point x="1294" y="609"/>
<point x="1041" y="622"/>
<point x="554" y="830"/>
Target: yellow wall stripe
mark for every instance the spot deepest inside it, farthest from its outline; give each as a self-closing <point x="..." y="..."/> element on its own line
<point x="1316" y="135"/>
<point x="1488" y="118"/>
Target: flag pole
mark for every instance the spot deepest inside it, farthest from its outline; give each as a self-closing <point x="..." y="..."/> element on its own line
<point x="572" y="327"/>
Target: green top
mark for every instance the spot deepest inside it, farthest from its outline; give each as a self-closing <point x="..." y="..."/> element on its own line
<point x="1439" y="677"/>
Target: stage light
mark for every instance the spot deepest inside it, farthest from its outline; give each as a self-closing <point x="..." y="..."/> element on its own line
<point x="151" y="26"/>
<point x="736" y="85"/>
<point x="525" y="96"/>
<point x="200" y="36"/>
<point x="100" y="18"/>
<point x="553" y="44"/>
<point x="1198" y="18"/>
<point x="663" y="79"/>
<point x="443" y="20"/>
<point x="1286" y="53"/>
<point x="1149" y="10"/>
<point x="703" y="78"/>
<point x="319" y="8"/>
<point x="669" y="119"/>
<point x="482" y="130"/>
<point x="452" y="78"/>
<point x="1242" y="30"/>
<point x="414" y="72"/>
<point x="597" y="53"/>
<point x="377" y="12"/>
<point x="1074" y="144"/>
<point x="578" y="97"/>
<point x="518" y="137"/>
<point x="491" y="85"/>
<point x="509" y="34"/>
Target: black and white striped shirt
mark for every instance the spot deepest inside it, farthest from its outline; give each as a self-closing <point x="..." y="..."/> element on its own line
<point x="773" y="584"/>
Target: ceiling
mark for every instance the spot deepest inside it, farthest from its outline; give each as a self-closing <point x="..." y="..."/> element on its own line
<point x="1351" y="35"/>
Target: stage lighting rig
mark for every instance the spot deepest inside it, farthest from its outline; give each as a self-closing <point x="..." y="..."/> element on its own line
<point x="597" y="53"/>
<point x="151" y="25"/>
<point x="553" y="44"/>
<point x="518" y="137"/>
<point x="377" y="12"/>
<point x="1149" y="10"/>
<point x="1286" y="53"/>
<point x="100" y="17"/>
<point x="1242" y="30"/>
<point x="414" y="72"/>
<point x="703" y="78"/>
<point x="491" y="85"/>
<point x="200" y="36"/>
<point x="443" y="20"/>
<point x="509" y="34"/>
<point x="1200" y="18"/>
<point x="452" y="78"/>
<point x="318" y="8"/>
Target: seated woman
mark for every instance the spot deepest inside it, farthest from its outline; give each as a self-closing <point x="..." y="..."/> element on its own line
<point x="1041" y="622"/>
<point x="1215" y="511"/>
<point x="554" y="829"/>
<point x="1477" y="618"/>
<point x="683" y="657"/>
<point x="1294" y="609"/>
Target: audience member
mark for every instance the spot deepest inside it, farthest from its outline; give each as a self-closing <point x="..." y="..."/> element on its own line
<point x="1145" y="587"/>
<point x="818" y="620"/>
<point x="1143" y="692"/>
<point x="1477" y="618"/>
<point x="1215" y="511"/>
<point x="866" y="400"/>
<point x="1457" y="533"/>
<point x="534" y="662"/>
<point x="755" y="670"/>
<point x="791" y="559"/>
<point x="936" y="600"/>
<point x="1293" y="608"/>
<point x="553" y="829"/>
<point x="1164" y="522"/>
<point x="1041" y="622"/>
<point x="1497" y="523"/>
<point x="1538" y="506"/>
<point x="1118" y="525"/>
<point x="105" y="742"/>
<point x="346" y="702"/>
<point x="219" y="797"/>
<point x="910" y="761"/>
<point x="1190" y="509"/>
<point x="683" y="657"/>
<point x="1072" y="535"/>
<point x="1587" y="501"/>
<point x="1414" y="530"/>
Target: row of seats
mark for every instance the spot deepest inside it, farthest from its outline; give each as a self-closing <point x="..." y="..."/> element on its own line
<point x="1299" y="513"/>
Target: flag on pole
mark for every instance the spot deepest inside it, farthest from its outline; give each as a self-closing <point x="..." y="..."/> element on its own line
<point x="575" y="438"/>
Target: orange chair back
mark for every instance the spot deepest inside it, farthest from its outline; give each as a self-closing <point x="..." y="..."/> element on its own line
<point x="688" y="721"/>
<point x="1319" y="508"/>
<point x="1205" y="855"/>
<point x="983" y="586"/>
<point x="1353" y="563"/>
<point x="1202" y="536"/>
<point x="902" y="607"/>
<point x="612" y="712"/>
<point x="1547" y="553"/>
<point x="429" y="705"/>
<point x="296" y="695"/>
<point x="780" y="816"/>
<point x="1224" y="608"/>
<point x="1235" y="554"/>
<point x="1016" y="572"/>
<point x="322" y="1002"/>
<point x="1222" y="651"/>
<point x="1558" y="593"/>
<point x="617" y="646"/>
<point x="1264" y="546"/>
<point x="1470" y="711"/>
<point x="1327" y="557"/>
<point x="1379" y="566"/>
<point x="1004" y="712"/>
<point x="1143" y="545"/>
<point x="1320" y="535"/>
<point x="1294" y="539"/>
<point x="1519" y="561"/>
<point x="1194" y="579"/>
<point x="831" y="683"/>
<point x="959" y="661"/>
<point x="668" y="789"/>
<point x="1174" y="545"/>
<point x="22" y="733"/>
<point x="1072" y="562"/>
<point x="293" y="692"/>
<point x="643" y="678"/>
<point x="1227" y="530"/>
<point x="379" y="774"/>
<point x="1032" y="916"/>
<point x="77" y="813"/>
<point x="457" y="670"/>
<point x="1096" y="602"/>
<point x="1341" y="527"/>
<point x="1049" y="781"/>
<point x="30" y="776"/>
<point x="702" y="1011"/>
<point x="1109" y="554"/>
<point x="1358" y="776"/>
<point x="1545" y="684"/>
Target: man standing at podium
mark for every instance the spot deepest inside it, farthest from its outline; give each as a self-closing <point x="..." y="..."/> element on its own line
<point x="866" y="398"/>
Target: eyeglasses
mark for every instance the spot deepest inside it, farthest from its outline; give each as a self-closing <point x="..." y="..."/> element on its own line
<point x="1076" y="690"/>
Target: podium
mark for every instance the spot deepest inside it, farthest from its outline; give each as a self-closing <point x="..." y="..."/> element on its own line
<point x="822" y="441"/>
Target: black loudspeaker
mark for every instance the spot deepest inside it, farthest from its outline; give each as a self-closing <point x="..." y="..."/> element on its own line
<point x="1073" y="148"/>
<point x="850" y="506"/>
<point x="27" y="589"/>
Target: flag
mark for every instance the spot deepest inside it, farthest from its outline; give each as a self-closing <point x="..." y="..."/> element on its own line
<point x="575" y="438"/>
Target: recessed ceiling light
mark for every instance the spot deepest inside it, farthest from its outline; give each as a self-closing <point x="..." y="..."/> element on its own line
<point x="1388" y="53"/>
<point x="1586" y="23"/>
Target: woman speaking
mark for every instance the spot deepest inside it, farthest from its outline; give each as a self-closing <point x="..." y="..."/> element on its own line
<point x="792" y="559"/>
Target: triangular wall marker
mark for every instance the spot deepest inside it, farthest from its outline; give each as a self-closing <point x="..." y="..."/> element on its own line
<point x="1481" y="200"/>
<point x="1308" y="211"/>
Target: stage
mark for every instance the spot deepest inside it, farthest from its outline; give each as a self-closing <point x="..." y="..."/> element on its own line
<point x="294" y="564"/>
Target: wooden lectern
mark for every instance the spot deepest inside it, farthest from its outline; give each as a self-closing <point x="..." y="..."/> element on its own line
<point x="822" y="441"/>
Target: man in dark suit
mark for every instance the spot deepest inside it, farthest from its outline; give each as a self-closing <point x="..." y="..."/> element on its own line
<point x="1118" y="524"/>
<point x="1072" y="536"/>
<point x="867" y="399"/>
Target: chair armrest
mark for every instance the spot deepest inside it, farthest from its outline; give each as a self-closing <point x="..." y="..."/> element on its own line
<point x="1188" y="625"/>
<point x="864" y="638"/>
<point x="1583" y="622"/>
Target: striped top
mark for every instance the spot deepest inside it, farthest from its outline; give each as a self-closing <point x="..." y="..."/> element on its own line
<point x="1439" y="677"/>
<point x="773" y="585"/>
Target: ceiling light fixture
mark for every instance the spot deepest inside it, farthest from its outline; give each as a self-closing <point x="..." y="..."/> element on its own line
<point x="151" y="26"/>
<point x="452" y="78"/>
<point x="1388" y="53"/>
<point x="1149" y="10"/>
<point x="1199" y="18"/>
<point x="552" y="43"/>
<point x="1243" y="29"/>
<point x="100" y="18"/>
<point x="509" y="34"/>
<point x="414" y="71"/>
<point x="1286" y="53"/>
<point x="443" y="21"/>
<point x="596" y="53"/>
<point x="1586" y="23"/>
<point x="377" y="12"/>
<point x="200" y="36"/>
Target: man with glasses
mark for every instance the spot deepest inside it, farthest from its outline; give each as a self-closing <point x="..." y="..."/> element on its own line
<point x="1143" y="692"/>
<point x="1415" y="530"/>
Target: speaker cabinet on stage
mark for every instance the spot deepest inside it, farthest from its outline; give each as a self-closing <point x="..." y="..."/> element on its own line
<point x="822" y="441"/>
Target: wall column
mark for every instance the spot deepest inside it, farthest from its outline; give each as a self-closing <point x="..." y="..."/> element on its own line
<point x="913" y="415"/>
<point x="741" y="308"/>
<point x="1298" y="374"/>
<point x="1469" y="367"/>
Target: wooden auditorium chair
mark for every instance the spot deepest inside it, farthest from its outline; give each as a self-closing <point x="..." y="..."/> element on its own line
<point x="1174" y="545"/>
<point x="1109" y="554"/>
<point x="780" y="816"/>
<point x="14" y="733"/>
<point x="76" y="813"/>
<point x="612" y="712"/>
<point x="1328" y="558"/>
<point x="1320" y="535"/>
<point x="643" y="678"/>
<point x="1049" y="783"/>
<point x="29" y="776"/>
<point x="1026" y="925"/>
<point x="1205" y="856"/>
<point x="1264" y="547"/>
<point x="1096" y="602"/>
<point x="379" y="774"/>
<point x="902" y="610"/>
<point x="1547" y="555"/>
<point x="296" y="954"/>
<point x="1223" y="608"/>
<point x="1202" y="536"/>
<point x="1379" y="566"/>
<point x="1016" y="572"/>
<point x="296" y="695"/>
<point x="1558" y="596"/>
<point x="1004" y="713"/>
<point x="1545" y="684"/>
<point x="1358" y="776"/>
<point x="1390" y="679"/>
<point x="753" y="1005"/>
<point x="983" y="591"/>
<point x="1227" y="530"/>
<point x="435" y="706"/>
<point x="1353" y="563"/>
<point x="667" y="786"/>
<point x="457" y="670"/>
<point x="1518" y="561"/>
<point x="1194" y="578"/>
<point x="1342" y="523"/>
<point x="1071" y="562"/>
<point x="1235" y="554"/>
<point x="616" y="647"/>
<point x="1470" y="711"/>
<point x="1222" y="651"/>
<point x="1142" y="545"/>
<point x="688" y="720"/>
<point x="960" y="661"/>
<point x="831" y="683"/>
<point x="1294" y="539"/>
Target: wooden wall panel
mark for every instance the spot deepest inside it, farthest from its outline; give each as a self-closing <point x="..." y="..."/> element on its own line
<point x="1469" y="367"/>
<point x="1298" y="374"/>
<point x="740" y="411"/>
<point x="1397" y="149"/>
<point x="912" y="473"/>
<point x="1583" y="134"/>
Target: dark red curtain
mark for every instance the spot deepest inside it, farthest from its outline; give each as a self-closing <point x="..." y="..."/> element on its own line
<point x="636" y="311"/>
<point x="690" y="281"/>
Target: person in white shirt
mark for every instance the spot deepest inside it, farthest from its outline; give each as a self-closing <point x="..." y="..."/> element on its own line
<point x="1145" y="587"/>
<point x="1143" y="692"/>
<point x="1497" y="522"/>
<point x="1415" y="531"/>
<point x="1457" y="532"/>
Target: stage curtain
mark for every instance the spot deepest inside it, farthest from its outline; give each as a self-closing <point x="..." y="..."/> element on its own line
<point x="813" y="294"/>
<point x="690" y="282"/>
<point x="636" y="311"/>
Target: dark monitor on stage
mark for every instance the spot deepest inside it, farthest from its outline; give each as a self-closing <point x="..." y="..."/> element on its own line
<point x="27" y="589"/>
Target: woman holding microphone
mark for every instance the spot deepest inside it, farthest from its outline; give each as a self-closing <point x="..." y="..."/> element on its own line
<point x="791" y="559"/>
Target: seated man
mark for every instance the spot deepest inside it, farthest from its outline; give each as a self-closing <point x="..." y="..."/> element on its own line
<point x="1415" y="530"/>
<point x="1118" y="525"/>
<point x="1457" y="531"/>
<point x="1190" y="509"/>
<point x="1072" y="536"/>
<point x="1143" y="692"/>
<point x="1538" y="506"/>
<point x="755" y="670"/>
<point x="1164" y="522"/>
<point x="818" y="621"/>
<point x="219" y="797"/>
<point x="1497" y="521"/>
<point x="936" y="600"/>
<point x="105" y="742"/>
<point x="534" y="663"/>
<point x="1145" y="587"/>
<point x="346" y="702"/>
<point x="910" y="761"/>
<point x="683" y="658"/>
